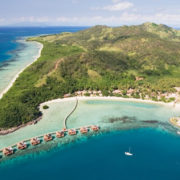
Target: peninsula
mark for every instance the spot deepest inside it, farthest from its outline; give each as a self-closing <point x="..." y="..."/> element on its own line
<point x="129" y="61"/>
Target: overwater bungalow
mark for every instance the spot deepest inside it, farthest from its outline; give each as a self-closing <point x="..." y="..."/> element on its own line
<point x="35" y="141"/>
<point x="95" y="128"/>
<point x="47" y="137"/>
<point x="83" y="130"/>
<point x="8" y="151"/>
<point x="60" y="134"/>
<point x="72" y="132"/>
<point x="21" y="145"/>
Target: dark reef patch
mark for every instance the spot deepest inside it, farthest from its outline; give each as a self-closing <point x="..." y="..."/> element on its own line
<point x="123" y="119"/>
<point x="128" y="119"/>
<point x="13" y="54"/>
<point x="150" y="121"/>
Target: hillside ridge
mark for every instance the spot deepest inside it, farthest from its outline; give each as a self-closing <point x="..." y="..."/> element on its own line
<point x="137" y="61"/>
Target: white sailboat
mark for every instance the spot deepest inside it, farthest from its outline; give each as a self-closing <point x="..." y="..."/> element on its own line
<point x="128" y="153"/>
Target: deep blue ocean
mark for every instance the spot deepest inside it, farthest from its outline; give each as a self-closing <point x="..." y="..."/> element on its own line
<point x="156" y="152"/>
<point x="9" y="35"/>
<point x="156" y="157"/>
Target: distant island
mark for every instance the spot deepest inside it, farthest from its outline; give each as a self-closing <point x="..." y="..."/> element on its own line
<point x="129" y="61"/>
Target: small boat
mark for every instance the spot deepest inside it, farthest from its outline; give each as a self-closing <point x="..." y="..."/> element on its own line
<point x="95" y="128"/>
<point x="47" y="137"/>
<point x="83" y="130"/>
<point x="178" y="132"/>
<point x="128" y="153"/>
<point x="60" y="134"/>
<point x="8" y="151"/>
<point x="72" y="132"/>
<point x="21" y="145"/>
<point x="35" y="141"/>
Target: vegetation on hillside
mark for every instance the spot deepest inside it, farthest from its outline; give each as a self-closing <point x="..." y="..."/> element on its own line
<point x="99" y="58"/>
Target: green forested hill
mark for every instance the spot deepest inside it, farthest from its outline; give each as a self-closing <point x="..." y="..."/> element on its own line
<point x="99" y="58"/>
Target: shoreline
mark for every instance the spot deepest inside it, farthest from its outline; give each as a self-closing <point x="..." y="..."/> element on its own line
<point x="17" y="75"/>
<point x="109" y="98"/>
<point x="4" y="132"/>
<point x="11" y="130"/>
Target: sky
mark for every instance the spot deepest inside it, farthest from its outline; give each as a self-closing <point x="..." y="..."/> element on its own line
<point x="88" y="12"/>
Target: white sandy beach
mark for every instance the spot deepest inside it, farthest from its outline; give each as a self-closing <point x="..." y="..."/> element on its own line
<point x="17" y="75"/>
<point x="110" y="98"/>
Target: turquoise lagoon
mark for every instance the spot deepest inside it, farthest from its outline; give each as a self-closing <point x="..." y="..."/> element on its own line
<point x="23" y="57"/>
<point x="142" y="126"/>
<point x="108" y="114"/>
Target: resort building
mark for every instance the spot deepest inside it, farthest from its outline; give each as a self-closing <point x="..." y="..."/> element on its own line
<point x="21" y="145"/>
<point x="8" y="151"/>
<point x="47" y="137"/>
<point x="35" y="141"/>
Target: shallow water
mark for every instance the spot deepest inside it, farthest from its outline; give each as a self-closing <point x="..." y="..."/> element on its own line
<point x="51" y="122"/>
<point x="108" y="114"/>
<point x="27" y="53"/>
<point x="100" y="111"/>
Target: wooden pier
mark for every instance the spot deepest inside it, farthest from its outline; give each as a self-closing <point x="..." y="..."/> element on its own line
<point x="66" y="118"/>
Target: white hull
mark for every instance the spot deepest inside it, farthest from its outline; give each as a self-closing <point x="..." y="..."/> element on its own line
<point x="128" y="154"/>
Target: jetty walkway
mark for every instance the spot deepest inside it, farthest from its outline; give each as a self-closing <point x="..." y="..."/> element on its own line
<point x="66" y="118"/>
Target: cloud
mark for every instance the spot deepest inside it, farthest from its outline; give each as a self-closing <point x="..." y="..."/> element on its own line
<point x="124" y="18"/>
<point x="31" y="19"/>
<point x="118" y="6"/>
